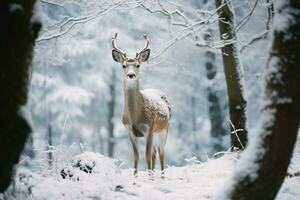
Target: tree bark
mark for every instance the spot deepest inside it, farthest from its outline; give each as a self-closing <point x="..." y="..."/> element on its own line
<point x="233" y="74"/>
<point x="271" y="150"/>
<point x="111" y="112"/>
<point x="17" y="35"/>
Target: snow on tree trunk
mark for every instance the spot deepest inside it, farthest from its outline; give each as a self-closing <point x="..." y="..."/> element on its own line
<point x="264" y="164"/>
<point x="233" y="74"/>
<point x="19" y="28"/>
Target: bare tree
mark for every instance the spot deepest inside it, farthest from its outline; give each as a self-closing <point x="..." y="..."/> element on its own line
<point x="18" y="33"/>
<point x="215" y="111"/>
<point x="50" y="143"/>
<point x="272" y="148"/>
<point x="111" y="113"/>
<point x="233" y="74"/>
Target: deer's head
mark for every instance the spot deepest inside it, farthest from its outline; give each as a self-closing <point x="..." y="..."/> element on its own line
<point x="130" y="65"/>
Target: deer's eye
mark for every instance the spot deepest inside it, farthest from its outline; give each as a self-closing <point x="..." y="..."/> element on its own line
<point x="138" y="66"/>
<point x="124" y="66"/>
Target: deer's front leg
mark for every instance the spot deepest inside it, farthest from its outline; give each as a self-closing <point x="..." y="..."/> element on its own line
<point x="134" y="143"/>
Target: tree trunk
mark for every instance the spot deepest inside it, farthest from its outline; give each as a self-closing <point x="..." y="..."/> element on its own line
<point x="111" y="112"/>
<point x="49" y="138"/>
<point x="233" y="74"/>
<point x="17" y="38"/>
<point x="270" y="7"/>
<point x="215" y="111"/>
<point x="271" y="150"/>
<point x="193" y="114"/>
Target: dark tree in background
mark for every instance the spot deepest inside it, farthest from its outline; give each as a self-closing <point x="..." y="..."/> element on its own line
<point x="50" y="143"/>
<point x="233" y="74"/>
<point x="215" y="110"/>
<point x="111" y="114"/>
<point x="279" y="121"/>
<point x="17" y="38"/>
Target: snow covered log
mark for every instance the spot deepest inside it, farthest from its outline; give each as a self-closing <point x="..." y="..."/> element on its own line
<point x="264" y="164"/>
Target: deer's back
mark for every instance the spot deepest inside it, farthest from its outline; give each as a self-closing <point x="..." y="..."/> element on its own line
<point x="157" y="108"/>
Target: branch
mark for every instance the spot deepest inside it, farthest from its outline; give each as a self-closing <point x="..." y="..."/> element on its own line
<point x="73" y="21"/>
<point x="254" y="39"/>
<point x="235" y="132"/>
<point x="189" y="27"/>
<point x="246" y="18"/>
<point x="53" y="3"/>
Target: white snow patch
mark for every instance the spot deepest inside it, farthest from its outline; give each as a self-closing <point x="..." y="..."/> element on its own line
<point x="154" y="97"/>
<point x="107" y="181"/>
<point x="24" y="111"/>
<point x="290" y="189"/>
<point x="37" y="13"/>
<point x="15" y="7"/>
<point x="285" y="16"/>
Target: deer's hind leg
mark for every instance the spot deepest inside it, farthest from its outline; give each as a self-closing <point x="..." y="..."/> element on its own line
<point x="161" y="149"/>
<point x="149" y="148"/>
<point x="153" y="158"/>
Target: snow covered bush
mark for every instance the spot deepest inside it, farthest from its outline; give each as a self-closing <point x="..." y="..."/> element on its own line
<point x="90" y="163"/>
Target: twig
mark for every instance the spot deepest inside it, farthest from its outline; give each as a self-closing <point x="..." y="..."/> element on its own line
<point x="235" y="132"/>
<point x="255" y="39"/>
<point x="245" y="19"/>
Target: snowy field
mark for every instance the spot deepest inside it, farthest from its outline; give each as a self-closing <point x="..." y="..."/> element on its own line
<point x="93" y="176"/>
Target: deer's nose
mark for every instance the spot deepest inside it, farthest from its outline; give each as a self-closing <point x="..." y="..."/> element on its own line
<point x="131" y="75"/>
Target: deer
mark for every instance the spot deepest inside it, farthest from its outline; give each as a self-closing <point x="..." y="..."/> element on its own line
<point x="145" y="111"/>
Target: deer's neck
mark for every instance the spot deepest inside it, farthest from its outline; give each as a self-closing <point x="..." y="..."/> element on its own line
<point x="133" y="99"/>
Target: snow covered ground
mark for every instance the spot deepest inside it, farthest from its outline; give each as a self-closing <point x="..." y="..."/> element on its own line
<point x="93" y="176"/>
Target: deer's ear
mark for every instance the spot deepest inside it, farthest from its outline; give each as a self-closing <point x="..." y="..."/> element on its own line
<point x="144" y="55"/>
<point x="117" y="56"/>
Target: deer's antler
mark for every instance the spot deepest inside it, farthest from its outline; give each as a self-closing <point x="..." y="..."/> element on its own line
<point x="113" y="39"/>
<point x="146" y="45"/>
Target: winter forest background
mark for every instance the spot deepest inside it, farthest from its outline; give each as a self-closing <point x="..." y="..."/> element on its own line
<point x="76" y="98"/>
<point x="75" y="81"/>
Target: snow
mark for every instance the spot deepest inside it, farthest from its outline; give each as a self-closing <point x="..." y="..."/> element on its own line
<point x="15" y="7"/>
<point x="37" y="13"/>
<point x="107" y="180"/>
<point x="24" y="111"/>
<point x="157" y="99"/>
<point x="285" y="16"/>
<point x="71" y="73"/>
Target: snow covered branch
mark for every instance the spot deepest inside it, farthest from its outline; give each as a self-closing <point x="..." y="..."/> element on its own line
<point x="65" y="25"/>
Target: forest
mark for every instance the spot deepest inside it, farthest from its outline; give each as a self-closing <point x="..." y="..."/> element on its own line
<point x="150" y="99"/>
